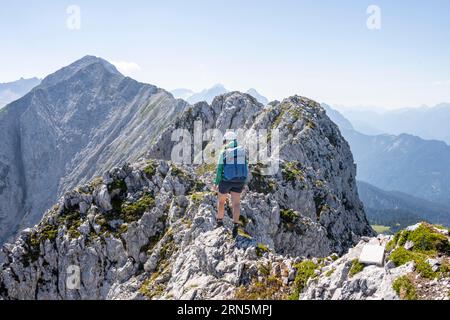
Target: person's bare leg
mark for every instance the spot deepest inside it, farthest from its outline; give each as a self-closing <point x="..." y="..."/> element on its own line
<point x="222" y="198"/>
<point x="236" y="204"/>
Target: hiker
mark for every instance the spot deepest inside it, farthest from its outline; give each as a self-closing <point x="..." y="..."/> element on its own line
<point x="231" y="178"/>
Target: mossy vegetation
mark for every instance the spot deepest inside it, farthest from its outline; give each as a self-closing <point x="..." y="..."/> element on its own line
<point x="72" y="220"/>
<point x="427" y="243"/>
<point x="269" y="288"/>
<point x="118" y="184"/>
<point x="125" y="212"/>
<point x="305" y="271"/>
<point x="48" y="232"/>
<point x="261" y="249"/>
<point x="405" y="288"/>
<point x="330" y="272"/>
<point x="427" y="240"/>
<point x="178" y="172"/>
<point x="292" y="172"/>
<point x="32" y="246"/>
<point x="150" y="169"/>
<point x="244" y="233"/>
<point x="198" y="197"/>
<point x="193" y="185"/>
<point x="401" y="256"/>
<point x="130" y="212"/>
<point x="289" y="215"/>
<point x="264" y="287"/>
<point x="289" y="218"/>
<point x="133" y="212"/>
<point x="296" y="113"/>
<point x="279" y="118"/>
<point x="356" y="268"/>
<point x="319" y="183"/>
<point x="197" y="186"/>
<point x="379" y="229"/>
<point x="150" y="289"/>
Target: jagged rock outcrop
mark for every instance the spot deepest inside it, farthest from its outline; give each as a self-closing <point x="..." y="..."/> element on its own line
<point x="80" y="121"/>
<point x="316" y="161"/>
<point x="146" y="230"/>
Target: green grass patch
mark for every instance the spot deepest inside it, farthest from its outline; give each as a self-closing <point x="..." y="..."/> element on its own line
<point x="288" y="215"/>
<point x="292" y="171"/>
<point x="261" y="249"/>
<point x="243" y="233"/>
<point x="428" y="243"/>
<point x="356" y="268"/>
<point x="150" y="169"/>
<point x="305" y="271"/>
<point x="269" y="288"/>
<point x="133" y="212"/>
<point x="118" y="184"/>
<point x="379" y="229"/>
<point x="198" y="197"/>
<point x="404" y="287"/>
<point x="400" y="256"/>
<point x="330" y="272"/>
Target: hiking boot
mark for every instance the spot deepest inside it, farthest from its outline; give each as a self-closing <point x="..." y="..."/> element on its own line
<point x="219" y="223"/>
<point x="235" y="230"/>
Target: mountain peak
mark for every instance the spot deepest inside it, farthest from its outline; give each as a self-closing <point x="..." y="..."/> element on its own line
<point x="255" y="94"/>
<point x="218" y="86"/>
<point x="83" y="63"/>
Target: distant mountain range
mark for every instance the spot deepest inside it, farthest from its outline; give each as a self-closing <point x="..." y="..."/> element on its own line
<point x="403" y="163"/>
<point x="398" y="210"/>
<point x="209" y="94"/>
<point x="425" y="122"/>
<point x="407" y="179"/>
<point x="11" y="91"/>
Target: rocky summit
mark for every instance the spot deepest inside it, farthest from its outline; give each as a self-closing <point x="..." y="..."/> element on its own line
<point x="145" y="230"/>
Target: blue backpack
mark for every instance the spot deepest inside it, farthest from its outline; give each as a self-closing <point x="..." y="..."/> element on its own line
<point x="234" y="164"/>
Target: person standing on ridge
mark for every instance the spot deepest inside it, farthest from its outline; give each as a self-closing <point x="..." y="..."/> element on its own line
<point x="231" y="178"/>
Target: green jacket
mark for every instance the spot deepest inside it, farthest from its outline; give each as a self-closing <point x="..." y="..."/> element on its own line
<point x="220" y="162"/>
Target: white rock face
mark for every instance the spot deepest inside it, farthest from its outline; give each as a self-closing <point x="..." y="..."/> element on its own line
<point x="147" y="229"/>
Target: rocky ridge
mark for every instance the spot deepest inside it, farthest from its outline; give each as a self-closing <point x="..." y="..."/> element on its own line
<point x="146" y="229"/>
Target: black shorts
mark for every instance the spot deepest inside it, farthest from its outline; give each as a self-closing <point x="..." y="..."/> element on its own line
<point x="230" y="186"/>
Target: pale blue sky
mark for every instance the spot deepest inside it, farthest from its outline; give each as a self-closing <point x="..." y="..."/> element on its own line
<point x="320" y="49"/>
